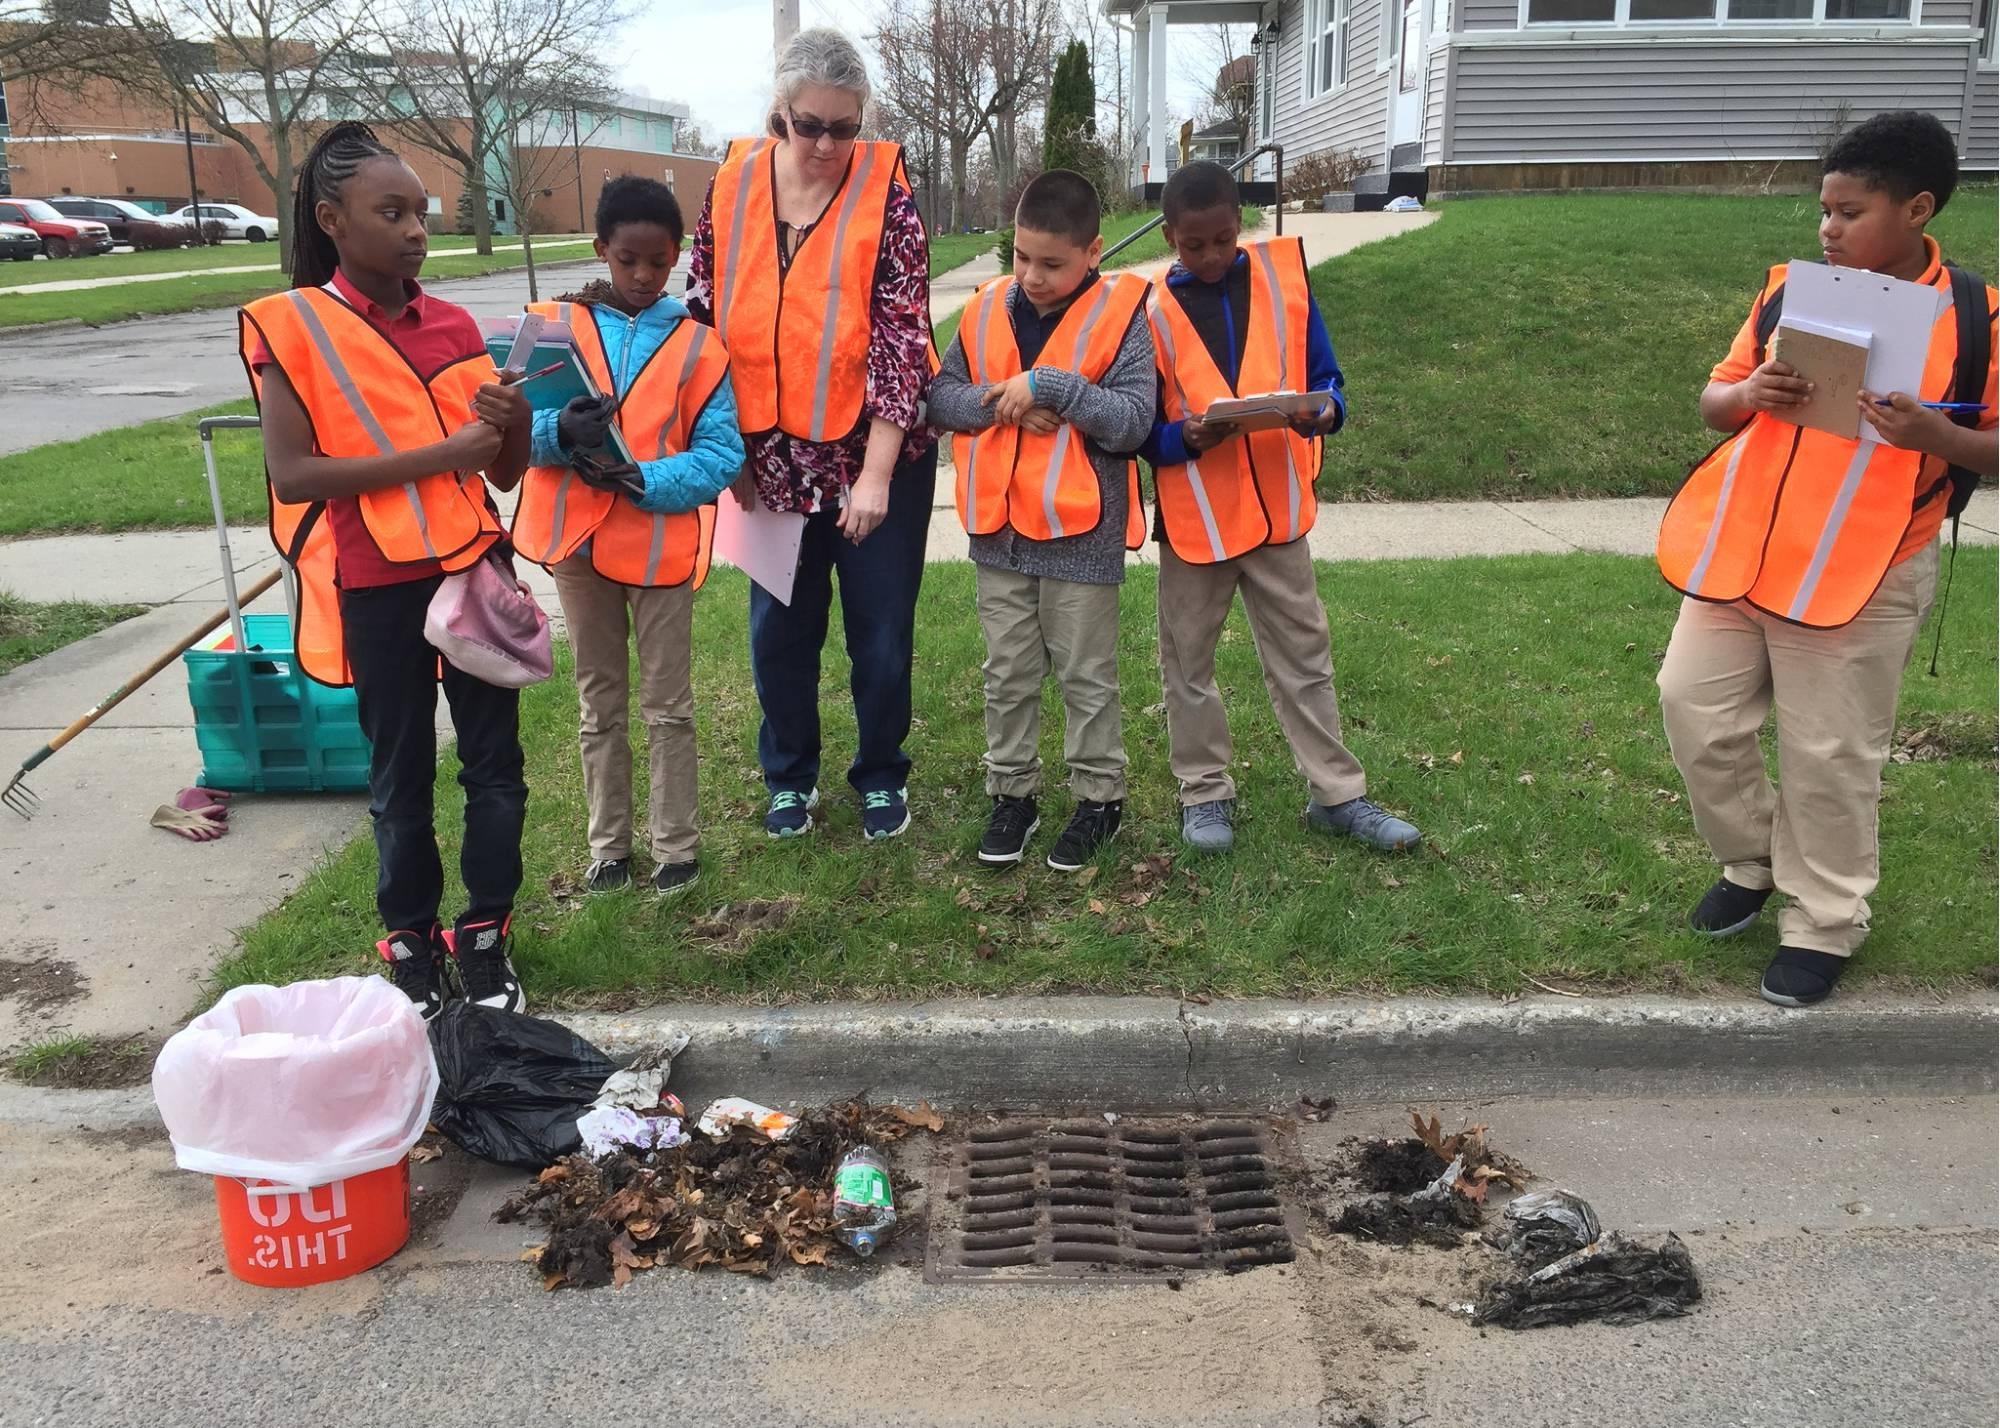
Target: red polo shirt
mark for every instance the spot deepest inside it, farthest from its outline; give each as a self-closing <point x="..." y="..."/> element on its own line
<point x="431" y="334"/>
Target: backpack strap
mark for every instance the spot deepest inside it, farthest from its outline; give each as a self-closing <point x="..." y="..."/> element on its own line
<point x="1769" y="310"/>
<point x="1968" y="383"/>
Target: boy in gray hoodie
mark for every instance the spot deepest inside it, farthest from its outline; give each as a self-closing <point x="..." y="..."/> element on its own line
<point x="1050" y="385"/>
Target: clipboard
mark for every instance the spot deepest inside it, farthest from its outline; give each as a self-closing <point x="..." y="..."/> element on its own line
<point x="1269" y="410"/>
<point x="760" y="542"/>
<point x="531" y="342"/>
<point x="1898" y="317"/>
<point x="1835" y="360"/>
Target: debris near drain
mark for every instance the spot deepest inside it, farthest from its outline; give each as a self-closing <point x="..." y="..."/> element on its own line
<point x="1545" y="1226"/>
<point x="1483" y="1164"/>
<point x="1436" y="1215"/>
<point x="1612" y="1280"/>
<point x="1394" y="1167"/>
<point x="740" y="1199"/>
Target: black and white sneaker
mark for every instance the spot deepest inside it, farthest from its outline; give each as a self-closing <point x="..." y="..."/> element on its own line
<point x="416" y="969"/>
<point x="1726" y="909"/>
<point x="609" y="875"/>
<point x="673" y="879"/>
<point x="1090" y="828"/>
<point x="484" y="968"/>
<point x="1012" y="823"/>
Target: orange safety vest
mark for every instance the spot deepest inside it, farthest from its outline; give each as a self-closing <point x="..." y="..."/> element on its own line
<point x="798" y="335"/>
<point x="1799" y="523"/>
<point x="365" y="399"/>
<point x="1256" y="489"/>
<point x="1043" y="486"/>
<point x="559" y="511"/>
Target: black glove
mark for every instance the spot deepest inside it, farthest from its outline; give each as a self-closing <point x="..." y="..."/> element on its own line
<point x="584" y="423"/>
<point x="620" y="478"/>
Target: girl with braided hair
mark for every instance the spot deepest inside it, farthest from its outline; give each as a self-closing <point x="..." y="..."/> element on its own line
<point x="384" y="421"/>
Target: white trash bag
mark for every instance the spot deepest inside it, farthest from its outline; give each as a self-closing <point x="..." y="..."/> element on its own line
<point x="303" y="1085"/>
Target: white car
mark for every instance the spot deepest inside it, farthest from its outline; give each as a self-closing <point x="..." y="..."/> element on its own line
<point x="236" y="220"/>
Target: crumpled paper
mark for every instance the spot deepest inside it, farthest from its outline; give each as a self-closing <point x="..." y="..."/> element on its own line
<point x="606" y="1129"/>
<point x="730" y="1111"/>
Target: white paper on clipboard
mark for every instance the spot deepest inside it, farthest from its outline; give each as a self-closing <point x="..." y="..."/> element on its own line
<point x="1897" y="315"/>
<point x="760" y="542"/>
<point x="525" y="337"/>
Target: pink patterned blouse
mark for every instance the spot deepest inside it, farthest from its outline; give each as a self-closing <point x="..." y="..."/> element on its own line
<point x="795" y="475"/>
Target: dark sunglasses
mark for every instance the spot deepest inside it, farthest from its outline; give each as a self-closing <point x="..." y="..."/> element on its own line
<point x="818" y="129"/>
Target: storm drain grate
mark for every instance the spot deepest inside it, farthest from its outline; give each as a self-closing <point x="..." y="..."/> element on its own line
<point x="1038" y="1199"/>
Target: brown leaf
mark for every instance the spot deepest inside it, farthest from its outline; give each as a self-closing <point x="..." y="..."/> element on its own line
<point x="552" y="1174"/>
<point x="986" y="951"/>
<point x="1458" y="756"/>
<point x="810" y="1254"/>
<point x="553" y="1282"/>
<point x="424" y="1154"/>
<point x="1097" y="906"/>
<point x="1085" y="878"/>
<point x="965" y="897"/>
<point x="924" y="1117"/>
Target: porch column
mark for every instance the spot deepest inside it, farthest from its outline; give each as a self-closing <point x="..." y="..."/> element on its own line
<point x="1156" y="94"/>
<point x="1137" y="107"/>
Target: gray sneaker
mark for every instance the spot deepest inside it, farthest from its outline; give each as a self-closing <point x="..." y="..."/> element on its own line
<point x="1206" y="827"/>
<point x="1365" y="822"/>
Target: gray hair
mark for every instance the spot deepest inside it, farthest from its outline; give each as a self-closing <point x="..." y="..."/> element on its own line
<point x="821" y="57"/>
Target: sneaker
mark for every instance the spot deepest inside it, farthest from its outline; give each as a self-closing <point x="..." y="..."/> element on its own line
<point x="1012" y="823"/>
<point x="1365" y="822"/>
<point x="609" y="875"/>
<point x="791" y="813"/>
<point x="673" y="879"/>
<point x="1798" y="978"/>
<point x="417" y="971"/>
<point x="1726" y="909"/>
<point x="484" y="967"/>
<point x="1090" y="828"/>
<point x="885" y="812"/>
<point x="1210" y="827"/>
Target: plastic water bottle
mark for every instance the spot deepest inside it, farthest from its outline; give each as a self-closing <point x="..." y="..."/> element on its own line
<point x="864" y="1204"/>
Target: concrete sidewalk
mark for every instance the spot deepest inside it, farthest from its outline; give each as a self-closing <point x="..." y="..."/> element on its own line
<point x="71" y="285"/>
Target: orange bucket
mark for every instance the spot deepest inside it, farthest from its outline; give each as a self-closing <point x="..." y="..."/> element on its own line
<point x="289" y="1236"/>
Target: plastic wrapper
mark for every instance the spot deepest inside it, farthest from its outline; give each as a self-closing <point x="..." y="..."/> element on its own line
<point x="731" y="1111"/>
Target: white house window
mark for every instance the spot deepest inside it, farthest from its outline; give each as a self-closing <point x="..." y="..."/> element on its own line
<point x="1653" y="12"/>
<point x="1326" y="46"/>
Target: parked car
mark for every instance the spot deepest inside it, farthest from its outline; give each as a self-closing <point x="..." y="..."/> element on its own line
<point x="20" y="244"/>
<point x="61" y="236"/>
<point x="236" y="220"/>
<point x="128" y="222"/>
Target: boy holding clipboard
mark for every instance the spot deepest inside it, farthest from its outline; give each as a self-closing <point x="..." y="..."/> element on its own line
<point x="1808" y="550"/>
<point x="1249" y="390"/>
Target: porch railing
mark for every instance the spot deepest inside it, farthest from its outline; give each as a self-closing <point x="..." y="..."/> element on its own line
<point x="1276" y="150"/>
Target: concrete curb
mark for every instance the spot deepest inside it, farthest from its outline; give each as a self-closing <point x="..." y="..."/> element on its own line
<point x="1156" y="1053"/>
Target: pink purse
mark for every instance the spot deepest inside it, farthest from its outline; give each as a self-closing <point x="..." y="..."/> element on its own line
<point x="486" y="623"/>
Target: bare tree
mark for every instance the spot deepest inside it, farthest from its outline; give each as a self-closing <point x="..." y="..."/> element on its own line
<point x="1021" y="42"/>
<point x="39" y="41"/>
<point x="1222" y="65"/>
<point x="539" y="150"/>
<point x="692" y="139"/>
<point x="258" y="78"/>
<point x="460" y="78"/>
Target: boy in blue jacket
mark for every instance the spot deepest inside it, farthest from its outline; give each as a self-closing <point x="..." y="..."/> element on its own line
<point x="637" y="572"/>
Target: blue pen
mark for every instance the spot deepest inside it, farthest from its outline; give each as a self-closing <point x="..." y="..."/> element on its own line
<point x="1949" y="408"/>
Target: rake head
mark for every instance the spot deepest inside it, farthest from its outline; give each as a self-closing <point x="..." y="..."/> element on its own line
<point x="19" y="797"/>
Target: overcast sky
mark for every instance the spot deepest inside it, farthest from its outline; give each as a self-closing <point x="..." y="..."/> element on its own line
<point x="715" y="57"/>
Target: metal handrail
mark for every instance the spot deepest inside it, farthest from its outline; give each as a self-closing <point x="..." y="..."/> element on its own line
<point x="1236" y="168"/>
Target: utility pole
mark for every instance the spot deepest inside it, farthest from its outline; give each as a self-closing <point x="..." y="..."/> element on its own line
<point x="187" y="140"/>
<point x="576" y="155"/>
<point x="784" y="23"/>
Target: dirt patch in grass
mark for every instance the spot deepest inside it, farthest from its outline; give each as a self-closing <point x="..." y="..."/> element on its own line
<point x="41" y="982"/>
<point x="733" y="925"/>
<point x="88" y="1063"/>
<point x="1972" y="737"/>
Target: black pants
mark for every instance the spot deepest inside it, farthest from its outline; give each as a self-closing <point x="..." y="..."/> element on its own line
<point x="879" y="581"/>
<point x="395" y="683"/>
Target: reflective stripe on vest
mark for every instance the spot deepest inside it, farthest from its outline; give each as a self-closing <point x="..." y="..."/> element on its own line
<point x="1256" y="489"/>
<point x="559" y="512"/>
<point x="364" y="399"/>
<point x="1044" y="486"/>
<point x="1799" y="523"/>
<point x="798" y="333"/>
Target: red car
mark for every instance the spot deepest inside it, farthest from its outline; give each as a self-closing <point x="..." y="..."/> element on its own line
<point x="61" y="237"/>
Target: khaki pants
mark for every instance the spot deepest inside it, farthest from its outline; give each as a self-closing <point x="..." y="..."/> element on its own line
<point x="596" y="611"/>
<point x="1032" y="624"/>
<point x="1812" y="837"/>
<point x="1289" y="624"/>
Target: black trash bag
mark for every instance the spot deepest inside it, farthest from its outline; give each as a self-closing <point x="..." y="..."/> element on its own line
<point x="1612" y="1281"/>
<point x="1546" y="1225"/>
<point x="510" y="1087"/>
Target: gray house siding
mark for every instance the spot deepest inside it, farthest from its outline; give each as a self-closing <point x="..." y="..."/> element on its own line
<point x="1980" y="144"/>
<point x="1947" y="12"/>
<point x="1439" y="66"/>
<point x="1354" y="117"/>
<point x="1662" y="100"/>
<point x="1491" y="14"/>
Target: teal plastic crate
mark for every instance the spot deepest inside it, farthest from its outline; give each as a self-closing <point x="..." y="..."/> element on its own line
<point x="262" y="725"/>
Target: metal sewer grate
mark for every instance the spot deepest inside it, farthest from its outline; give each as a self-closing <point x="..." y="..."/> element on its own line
<point x="1072" y="1198"/>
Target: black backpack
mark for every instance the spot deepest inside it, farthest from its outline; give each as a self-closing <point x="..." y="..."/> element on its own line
<point x="1968" y="377"/>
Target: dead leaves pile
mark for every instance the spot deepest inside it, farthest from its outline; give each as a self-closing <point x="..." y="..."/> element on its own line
<point x="1483" y="1164"/>
<point x="740" y="1201"/>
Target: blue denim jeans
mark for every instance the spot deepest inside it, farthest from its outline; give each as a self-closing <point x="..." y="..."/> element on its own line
<point x="879" y="581"/>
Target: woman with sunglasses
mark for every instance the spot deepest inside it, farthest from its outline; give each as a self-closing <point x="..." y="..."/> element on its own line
<point x="811" y="262"/>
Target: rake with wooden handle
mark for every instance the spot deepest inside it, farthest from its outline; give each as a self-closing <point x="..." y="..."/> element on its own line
<point x="19" y="797"/>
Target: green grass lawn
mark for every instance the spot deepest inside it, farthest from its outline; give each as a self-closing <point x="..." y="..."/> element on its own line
<point x="1506" y="705"/>
<point x="29" y="630"/>
<point x="132" y="478"/>
<point x="98" y="306"/>
<point x="1556" y="345"/>
<point x="953" y="250"/>
<point x="183" y="260"/>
